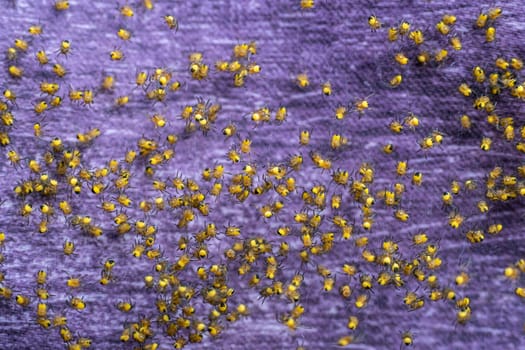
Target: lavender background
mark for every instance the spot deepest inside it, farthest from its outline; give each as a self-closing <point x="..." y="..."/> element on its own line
<point x="332" y="43"/>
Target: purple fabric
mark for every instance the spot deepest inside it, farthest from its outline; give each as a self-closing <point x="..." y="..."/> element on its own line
<point x="331" y="42"/>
